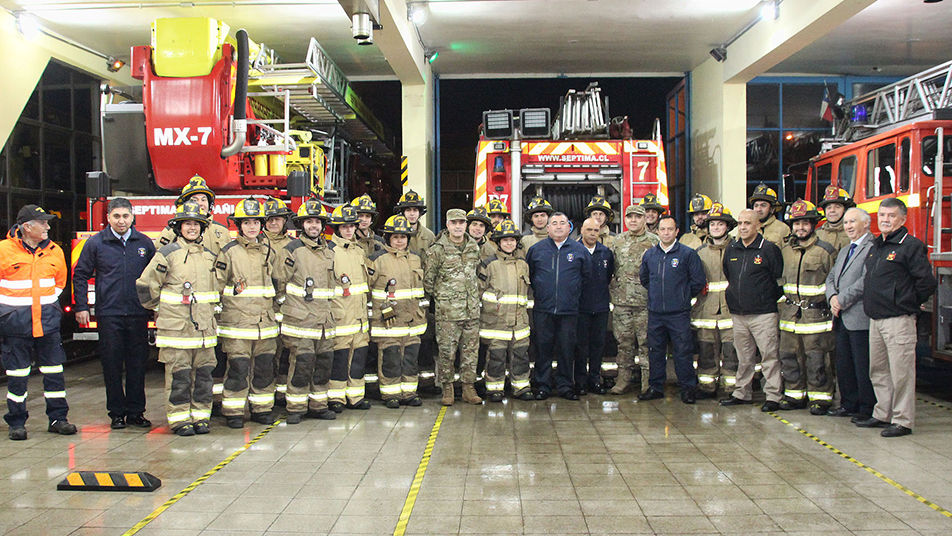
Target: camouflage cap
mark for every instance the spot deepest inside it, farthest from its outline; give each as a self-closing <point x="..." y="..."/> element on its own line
<point x="455" y="214"/>
<point x="635" y="209"/>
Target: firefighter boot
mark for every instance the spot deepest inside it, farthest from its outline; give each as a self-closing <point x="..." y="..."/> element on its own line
<point x="622" y="382"/>
<point x="469" y="394"/>
<point x="447" y="394"/>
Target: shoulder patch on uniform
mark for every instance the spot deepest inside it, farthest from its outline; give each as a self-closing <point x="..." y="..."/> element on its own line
<point x="371" y="271"/>
<point x="331" y="244"/>
<point x="826" y="246"/>
<point x="487" y="260"/>
<point x="228" y="246"/>
<point x="377" y="254"/>
<point x="220" y="265"/>
<point x="482" y="276"/>
<point x="161" y="268"/>
<point x="289" y="261"/>
<point x="164" y="240"/>
<point x="294" y="244"/>
<point x="168" y="249"/>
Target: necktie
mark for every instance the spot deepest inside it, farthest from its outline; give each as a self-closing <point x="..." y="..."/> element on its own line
<point x="849" y="255"/>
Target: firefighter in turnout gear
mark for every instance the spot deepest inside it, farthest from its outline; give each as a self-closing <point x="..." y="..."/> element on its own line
<point x="450" y="280"/>
<point x="504" y="320"/>
<point x="497" y="212"/>
<point x="277" y="215"/>
<point x="630" y="299"/>
<point x="478" y="227"/>
<point x="653" y="211"/>
<point x="350" y="312"/>
<point x="806" y="323"/>
<point x="180" y="285"/>
<point x="305" y="285"/>
<point x="698" y="210"/>
<point x="213" y="238"/>
<point x="366" y="214"/>
<point x="246" y="323"/>
<point x="764" y="202"/>
<point x="599" y="210"/>
<point x="413" y="207"/>
<point x="398" y="319"/>
<point x="537" y="215"/>
<point x="717" y="359"/>
<point x="834" y="205"/>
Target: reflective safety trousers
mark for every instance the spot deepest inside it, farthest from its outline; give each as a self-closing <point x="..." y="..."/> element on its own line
<point x="504" y="284"/>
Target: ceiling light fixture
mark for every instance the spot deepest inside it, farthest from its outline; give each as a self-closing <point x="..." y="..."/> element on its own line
<point x="719" y="53"/>
<point x="770" y="10"/>
<point x="931" y="1"/>
<point x="431" y="56"/>
<point x="114" y="65"/>
<point x="27" y="25"/>
<point x="418" y="13"/>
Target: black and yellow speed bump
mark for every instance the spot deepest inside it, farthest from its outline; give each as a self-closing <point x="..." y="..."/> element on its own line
<point x="109" y="481"/>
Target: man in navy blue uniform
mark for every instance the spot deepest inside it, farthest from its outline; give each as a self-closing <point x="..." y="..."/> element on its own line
<point x="594" y="307"/>
<point x="557" y="267"/>
<point x="673" y="274"/>
<point x="116" y="257"/>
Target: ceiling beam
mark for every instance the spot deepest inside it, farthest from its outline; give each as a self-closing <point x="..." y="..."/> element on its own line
<point x="801" y="22"/>
<point x="401" y="44"/>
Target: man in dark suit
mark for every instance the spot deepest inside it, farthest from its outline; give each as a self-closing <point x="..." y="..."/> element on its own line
<point x="844" y="293"/>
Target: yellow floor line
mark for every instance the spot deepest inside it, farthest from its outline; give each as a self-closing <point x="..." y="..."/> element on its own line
<point x="866" y="468"/>
<point x="175" y="498"/>
<point x="418" y="479"/>
<point x="931" y="403"/>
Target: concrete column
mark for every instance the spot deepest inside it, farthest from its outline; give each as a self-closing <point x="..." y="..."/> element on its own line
<point x="399" y="43"/>
<point x="719" y="92"/>
<point x="24" y="61"/>
<point x="418" y="142"/>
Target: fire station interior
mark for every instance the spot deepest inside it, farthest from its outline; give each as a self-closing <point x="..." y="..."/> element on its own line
<point x="737" y="86"/>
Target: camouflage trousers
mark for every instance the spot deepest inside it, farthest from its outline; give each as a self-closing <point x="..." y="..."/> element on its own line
<point x="630" y="326"/>
<point x="463" y="334"/>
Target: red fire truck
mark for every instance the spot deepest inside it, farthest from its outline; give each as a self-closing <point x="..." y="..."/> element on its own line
<point x="522" y="155"/>
<point x="897" y="142"/>
<point x="226" y="108"/>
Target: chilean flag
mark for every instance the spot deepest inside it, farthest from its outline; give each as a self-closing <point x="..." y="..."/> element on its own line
<point x="826" y="111"/>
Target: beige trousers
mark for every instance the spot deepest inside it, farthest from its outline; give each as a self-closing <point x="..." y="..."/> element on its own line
<point x="753" y="332"/>
<point x="892" y="368"/>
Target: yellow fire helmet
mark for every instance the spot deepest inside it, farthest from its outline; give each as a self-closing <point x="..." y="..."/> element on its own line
<point x="650" y="202"/>
<point x="396" y="224"/>
<point x="538" y="204"/>
<point x="599" y="203"/>
<point x="803" y="210"/>
<point x="719" y="212"/>
<point x="344" y="214"/>
<point x="249" y="208"/>
<point x="312" y="208"/>
<point x="411" y="199"/>
<point x="189" y="211"/>
<point x="196" y="185"/>
<point x="506" y="229"/>
<point x="700" y="203"/>
<point x="496" y="207"/>
<point x="479" y="214"/>
<point x="835" y="194"/>
<point x="763" y="193"/>
<point x="364" y="205"/>
<point x="274" y="207"/>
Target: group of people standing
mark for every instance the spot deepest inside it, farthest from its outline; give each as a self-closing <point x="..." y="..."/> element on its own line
<point x="268" y="318"/>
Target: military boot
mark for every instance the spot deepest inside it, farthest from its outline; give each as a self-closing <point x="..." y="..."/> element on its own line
<point x="469" y="394"/>
<point x="447" y="394"/>
<point x="622" y="382"/>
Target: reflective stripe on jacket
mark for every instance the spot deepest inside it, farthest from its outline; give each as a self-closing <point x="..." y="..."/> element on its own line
<point x="805" y="268"/>
<point x="396" y="281"/>
<point x="30" y="284"/>
<point x="504" y="283"/>
<point x="244" y="272"/>
<point x="180" y="284"/>
<point x="305" y="286"/>
<point x="710" y="311"/>
<point x="350" y="304"/>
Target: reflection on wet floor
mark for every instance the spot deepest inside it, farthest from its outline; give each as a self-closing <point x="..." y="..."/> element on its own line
<point x="604" y="465"/>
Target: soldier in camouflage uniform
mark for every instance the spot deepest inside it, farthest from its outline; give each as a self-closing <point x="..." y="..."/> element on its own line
<point x="630" y="299"/>
<point x="450" y="280"/>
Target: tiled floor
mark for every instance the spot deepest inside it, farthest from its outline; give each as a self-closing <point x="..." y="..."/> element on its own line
<point x="605" y="465"/>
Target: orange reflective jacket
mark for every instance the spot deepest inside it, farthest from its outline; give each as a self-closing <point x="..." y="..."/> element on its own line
<point x="30" y="284"/>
